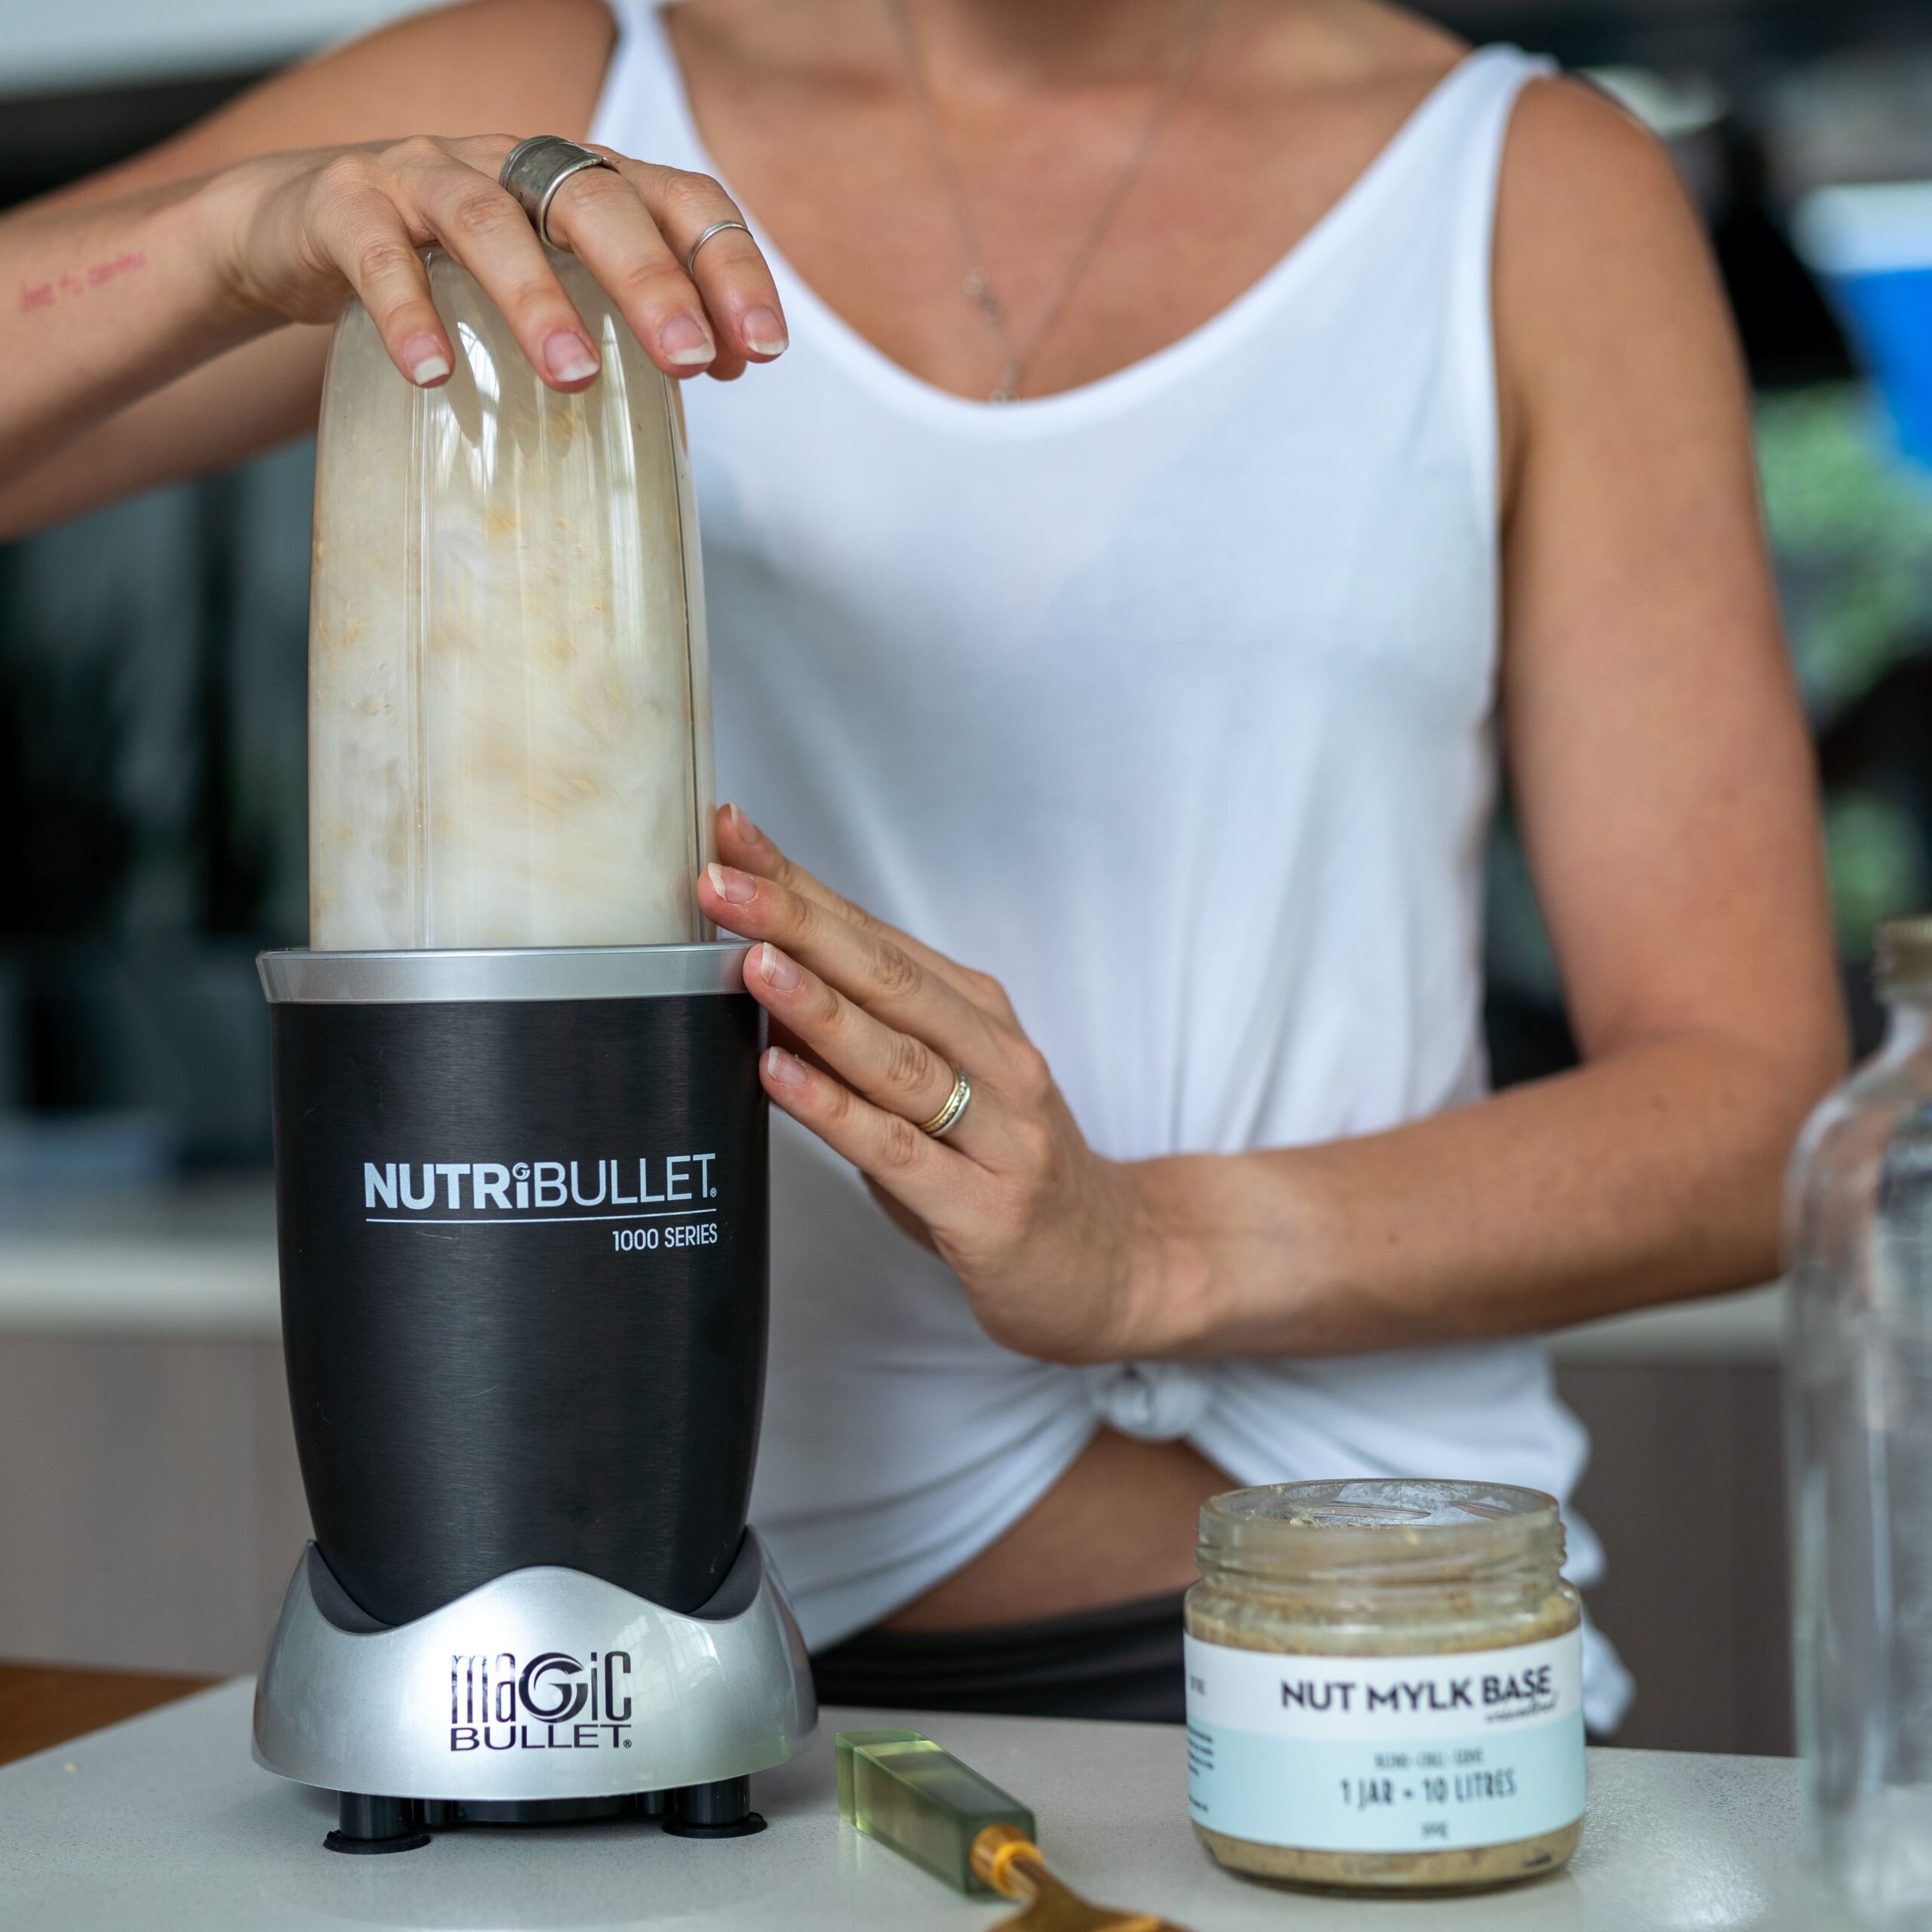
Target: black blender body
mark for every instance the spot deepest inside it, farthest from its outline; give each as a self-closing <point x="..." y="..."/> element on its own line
<point x="524" y="1283"/>
<point x="521" y="1150"/>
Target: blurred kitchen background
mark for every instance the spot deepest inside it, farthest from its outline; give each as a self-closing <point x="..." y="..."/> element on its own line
<point x="151" y="795"/>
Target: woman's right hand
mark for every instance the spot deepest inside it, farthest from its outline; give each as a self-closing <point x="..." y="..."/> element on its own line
<point x="303" y="235"/>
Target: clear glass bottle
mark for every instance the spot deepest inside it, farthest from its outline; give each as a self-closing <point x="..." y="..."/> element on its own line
<point x="1385" y="1686"/>
<point x="1859" y="1397"/>
<point x="509" y="712"/>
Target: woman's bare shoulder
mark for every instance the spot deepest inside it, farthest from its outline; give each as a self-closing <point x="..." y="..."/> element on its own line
<point x="481" y="66"/>
<point x="1604" y="278"/>
<point x="1569" y="124"/>
<point x="1593" y="217"/>
<point x="1609" y="307"/>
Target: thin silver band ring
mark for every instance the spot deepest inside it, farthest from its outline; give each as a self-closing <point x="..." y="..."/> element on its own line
<point x="716" y="228"/>
<point x="534" y="170"/>
<point x="957" y="1102"/>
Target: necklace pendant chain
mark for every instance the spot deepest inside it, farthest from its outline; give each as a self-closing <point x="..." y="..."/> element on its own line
<point x="1016" y="358"/>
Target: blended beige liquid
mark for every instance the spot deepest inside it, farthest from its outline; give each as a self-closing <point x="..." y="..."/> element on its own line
<point x="509" y="727"/>
<point x="1280" y="1622"/>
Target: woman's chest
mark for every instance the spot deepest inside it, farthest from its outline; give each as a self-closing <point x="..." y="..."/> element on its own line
<point x="1119" y="216"/>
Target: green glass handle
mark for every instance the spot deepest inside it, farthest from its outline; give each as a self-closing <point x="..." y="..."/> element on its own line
<point x="902" y="1790"/>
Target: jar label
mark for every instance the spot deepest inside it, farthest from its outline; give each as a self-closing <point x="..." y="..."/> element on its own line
<point x="1386" y="1754"/>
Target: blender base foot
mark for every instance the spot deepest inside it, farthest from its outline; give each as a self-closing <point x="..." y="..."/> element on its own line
<point x="370" y="1825"/>
<point x="720" y="1810"/>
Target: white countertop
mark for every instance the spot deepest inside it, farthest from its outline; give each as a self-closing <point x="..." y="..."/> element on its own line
<point x="165" y="1825"/>
<point x="200" y="1261"/>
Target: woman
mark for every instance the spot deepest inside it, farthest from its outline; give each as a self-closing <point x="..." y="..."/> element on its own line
<point x="1376" y="406"/>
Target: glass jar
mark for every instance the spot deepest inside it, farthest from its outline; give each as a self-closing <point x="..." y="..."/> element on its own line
<point x="1859" y="1414"/>
<point x="509" y="719"/>
<point x="1385" y="1686"/>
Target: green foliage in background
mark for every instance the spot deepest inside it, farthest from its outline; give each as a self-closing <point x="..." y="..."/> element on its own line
<point x="1851" y="527"/>
<point x="1850" y="524"/>
<point x="1877" y="864"/>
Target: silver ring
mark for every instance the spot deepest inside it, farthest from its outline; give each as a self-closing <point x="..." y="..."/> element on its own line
<point x="534" y="170"/>
<point x="957" y="1102"/>
<point x="716" y="228"/>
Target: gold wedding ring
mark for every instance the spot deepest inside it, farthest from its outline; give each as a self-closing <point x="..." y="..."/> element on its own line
<point x="948" y="1116"/>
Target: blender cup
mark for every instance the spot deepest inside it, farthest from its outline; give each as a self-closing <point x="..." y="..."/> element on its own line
<point x="509" y="736"/>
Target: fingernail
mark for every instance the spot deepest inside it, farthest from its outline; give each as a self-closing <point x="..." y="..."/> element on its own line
<point x="787" y="1068"/>
<point x="734" y="887"/>
<point x="427" y="362"/>
<point x="568" y="357"/>
<point x="765" y="332"/>
<point x="686" y="341"/>
<point x="743" y="826"/>
<point x="780" y="972"/>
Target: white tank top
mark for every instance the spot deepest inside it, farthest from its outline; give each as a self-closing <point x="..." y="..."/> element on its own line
<point x="1168" y="700"/>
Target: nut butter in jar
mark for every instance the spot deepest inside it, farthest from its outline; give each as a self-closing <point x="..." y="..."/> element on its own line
<point x="1385" y="1686"/>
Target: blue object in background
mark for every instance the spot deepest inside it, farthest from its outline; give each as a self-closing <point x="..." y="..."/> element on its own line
<point x="1892" y="315"/>
<point x="1873" y="246"/>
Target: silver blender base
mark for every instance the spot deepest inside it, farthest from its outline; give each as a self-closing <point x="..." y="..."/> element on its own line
<point x="543" y="1695"/>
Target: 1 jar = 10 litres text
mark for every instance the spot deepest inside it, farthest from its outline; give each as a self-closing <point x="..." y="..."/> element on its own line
<point x="1385" y="1686"/>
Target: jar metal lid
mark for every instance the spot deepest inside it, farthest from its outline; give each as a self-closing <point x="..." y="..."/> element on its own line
<point x="1384" y="1531"/>
<point x="1905" y="955"/>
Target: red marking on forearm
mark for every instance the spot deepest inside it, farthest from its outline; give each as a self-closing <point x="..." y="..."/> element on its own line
<point x="45" y="294"/>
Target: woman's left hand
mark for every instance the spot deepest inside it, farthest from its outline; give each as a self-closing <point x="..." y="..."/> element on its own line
<point x="1051" y="1241"/>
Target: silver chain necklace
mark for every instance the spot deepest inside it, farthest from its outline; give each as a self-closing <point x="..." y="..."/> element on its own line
<point x="1016" y="356"/>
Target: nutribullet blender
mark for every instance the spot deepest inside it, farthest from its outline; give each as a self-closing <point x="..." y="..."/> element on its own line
<point x="520" y="1138"/>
